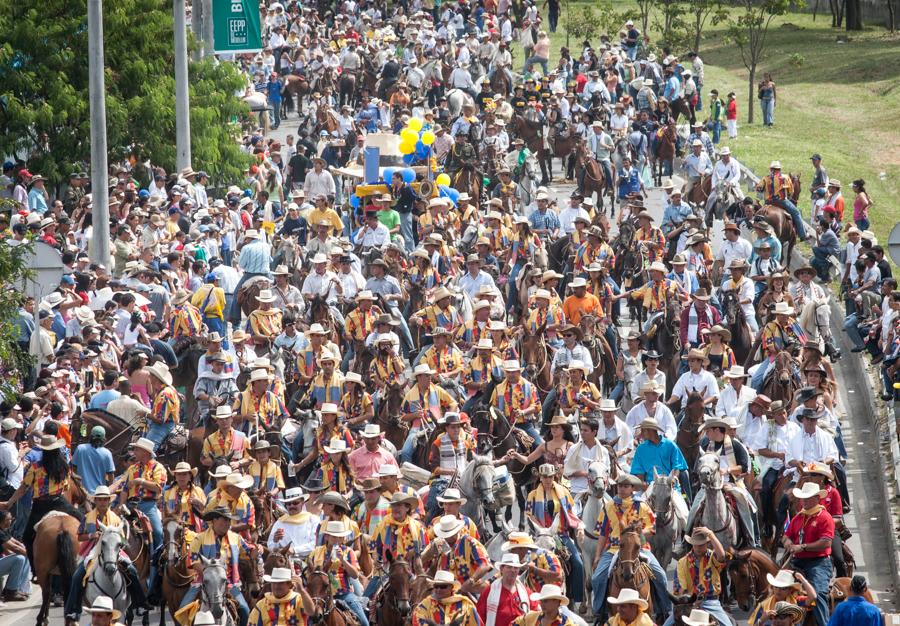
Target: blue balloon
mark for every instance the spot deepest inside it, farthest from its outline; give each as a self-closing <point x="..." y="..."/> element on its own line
<point x="388" y="174"/>
<point x="408" y="175"/>
<point x="453" y="194"/>
<point x="354" y="201"/>
<point x="422" y="150"/>
<point x="409" y="159"/>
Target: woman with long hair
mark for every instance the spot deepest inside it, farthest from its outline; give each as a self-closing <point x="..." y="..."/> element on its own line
<point x="721" y="356"/>
<point x="48" y="481"/>
<point x="861" y="205"/>
<point x="776" y="291"/>
<point x="554" y="449"/>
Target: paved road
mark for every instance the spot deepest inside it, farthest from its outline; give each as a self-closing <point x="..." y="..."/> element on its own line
<point x="868" y="543"/>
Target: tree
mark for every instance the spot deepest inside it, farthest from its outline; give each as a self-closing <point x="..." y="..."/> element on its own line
<point x="645" y="7"/>
<point x="854" y="14"/>
<point x="701" y="11"/>
<point x="44" y="112"/>
<point x="892" y="22"/>
<point x="748" y="32"/>
<point x="14" y="358"/>
<point x="675" y="32"/>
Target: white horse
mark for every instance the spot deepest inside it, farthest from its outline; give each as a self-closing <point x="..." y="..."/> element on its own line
<point x="213" y="588"/>
<point x="710" y="505"/>
<point x="106" y="579"/>
<point x="456" y="98"/>
<point x="598" y="480"/>
<point x="671" y="516"/>
<point x="476" y="484"/>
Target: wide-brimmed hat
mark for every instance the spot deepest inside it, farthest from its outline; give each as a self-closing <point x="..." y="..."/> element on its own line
<point x="409" y="499"/>
<point x="184" y="466"/>
<point x="223" y="412"/>
<point x="628" y="596"/>
<point x="807" y="393"/>
<point x="423" y="369"/>
<point x="160" y="371"/>
<point x="259" y="374"/>
<point x="336" y="446"/>
<point x="578" y="282"/>
<point x="241" y="481"/>
<point x="735" y="371"/>
<point x="51" y="442"/>
<point x="720" y="330"/>
<point x="808" y="490"/>
<point x="783" y="308"/>
<point x="143" y="443"/>
<point x="784" y="579"/>
<point x="512" y="365"/>
<point x="278" y="575"/>
<point x="388" y="469"/>
<point x="265" y="295"/>
<point x="222" y="471"/>
<point x="577" y="364"/>
<point x="261" y="444"/>
<point x="450" y="496"/>
<point x="206" y="618"/>
<point x="219" y="511"/>
<point x="819" y="469"/>
<point x="510" y="559"/>
<point x="803" y="269"/>
<point x="550" y="592"/>
<point x="572" y="328"/>
<point x="657" y="266"/>
<point x="104" y="604"/>
<point x="608" y="404"/>
<point x="789" y="610"/>
<point x="698" y="617"/>
<point x="714" y="422"/>
<point x="336" y="528"/>
<point x="448" y="526"/>
<point x="102" y="491"/>
<point x="629" y="479"/>
<point x="738" y="264"/>
<point x="559" y="420"/>
<point x="651" y="424"/>
<point x="443" y="577"/>
<point x="697" y="353"/>
<point x="293" y="494"/>
<point x="517" y="539"/>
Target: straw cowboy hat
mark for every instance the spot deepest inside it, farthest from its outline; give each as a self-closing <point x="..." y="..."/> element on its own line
<point x="782" y="308"/>
<point x="656" y="266"/>
<point x="259" y="374"/>
<point x="180" y="297"/>
<point x="784" y="579"/>
<point x="578" y="364"/>
<point x="411" y="500"/>
<point x="222" y="471"/>
<point x="629" y="596"/>
<point x="336" y="528"/>
<point x="160" y="370"/>
<point x="423" y="369"/>
<point x="365" y="295"/>
<point x="550" y="592"/>
<point x="443" y="577"/>
<point x="511" y="366"/>
<point x="808" y="490"/>
<point x="698" y="617"/>
<point x="371" y="431"/>
<point x="696" y="353"/>
<point x="183" y="466"/>
<point x="223" y="412"/>
<point x="102" y="491"/>
<point x="517" y="539"/>
<point x="651" y="424"/>
<point x="143" y="443"/>
<point x="50" y="442"/>
<point x="559" y="420"/>
<point x="720" y="330"/>
<point x="450" y="496"/>
<point x="104" y="604"/>
<point x="265" y="295"/>
<point x="241" y="481"/>
<point x="735" y="371"/>
<point x="820" y="469"/>
<point x="278" y="575"/>
<point x="448" y="526"/>
<point x="511" y="559"/>
<point x="714" y="422"/>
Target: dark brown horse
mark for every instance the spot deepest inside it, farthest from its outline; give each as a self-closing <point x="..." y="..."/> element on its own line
<point x="468" y="180"/>
<point x="347" y="88"/>
<point x="595" y="181"/>
<point x="679" y="106"/>
<point x="388" y="416"/>
<point x="176" y="577"/>
<point x="500" y="83"/>
<point x="780" y="380"/>
<point x="318" y="584"/>
<point x="629" y="571"/>
<point x="119" y="433"/>
<point x="295" y="88"/>
<point x="55" y="549"/>
<point x="531" y="131"/>
<point x="688" y="436"/>
<point x="741" y="342"/>
<point x="398" y="602"/>
<point x="536" y="355"/>
<point x="666" y="142"/>
<point x="562" y="142"/>
<point x="700" y="192"/>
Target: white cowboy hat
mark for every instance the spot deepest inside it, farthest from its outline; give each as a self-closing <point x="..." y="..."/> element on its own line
<point x="628" y="596"/>
<point x="102" y="491"/>
<point x="724" y="151"/>
<point x="371" y="431"/>
<point x="104" y="604"/>
<point x="83" y="314"/>
<point x="281" y="270"/>
<point x="512" y="366"/>
<point x="485" y="343"/>
<point x="782" y="308"/>
<point x="365" y="295"/>
<point x="511" y="559"/>
<point x="241" y="481"/>
<point x="336" y="446"/>
<point x="336" y="528"/>
<point x="388" y="469"/>
<point x="784" y="579"/>
<point x="316" y="329"/>
<point x="223" y="411"/>
<point x="542" y="293"/>
<point x="578" y="282"/>
<point x="251" y="233"/>
<point x="735" y="371"/>
<point x="577" y="364"/>
<point x="775" y="165"/>
<point x="547" y="469"/>
<point x="330" y="408"/>
<point x="808" y="490"/>
<point x="656" y="266"/>
<point x="550" y="592"/>
<point x="698" y="617"/>
<point x="607" y="404"/>
<point x="221" y="472"/>
<point x="265" y="295"/>
<point x="319" y="258"/>
<point x="451" y="495"/>
<point x="143" y="443"/>
<point x="259" y="374"/>
<point x="443" y="577"/>
<point x="293" y="494"/>
<point x="206" y="618"/>
<point x="448" y="526"/>
<point x="278" y="575"/>
<point x="423" y="368"/>
<point x="160" y="370"/>
<point x="183" y="466"/>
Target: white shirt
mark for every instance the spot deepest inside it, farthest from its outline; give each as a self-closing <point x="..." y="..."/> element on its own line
<point x="703" y="382"/>
<point x="10" y="464"/>
<point x="852" y="255"/>
<point x="643" y="377"/>
<point x="471" y="284"/>
<point x="567" y="218"/>
<point x="731" y="250"/>
<point x="301" y="537"/>
<point x="752" y="429"/>
<point x="564" y="356"/>
<point x="779" y="441"/>
<point x="662" y="415"/>
<point x="618" y="431"/>
<point x="318" y="183"/>
<point x="377" y="237"/>
<point x="352" y="283"/>
<point x="729" y="173"/>
<point x="579" y="484"/>
<point x="734" y="404"/>
<point x="320" y="284"/>
<point x="808" y="448"/>
<point x="228" y="277"/>
<point x="746" y="291"/>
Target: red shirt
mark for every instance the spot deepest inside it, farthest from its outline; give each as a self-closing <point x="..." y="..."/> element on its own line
<point x="832" y="502"/>
<point x="508" y="609"/>
<point x="731" y="110"/>
<point x="807" y="529"/>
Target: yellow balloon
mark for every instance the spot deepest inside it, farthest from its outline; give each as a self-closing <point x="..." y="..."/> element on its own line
<point x="442" y="179"/>
<point x="408" y="135"/>
<point x="416" y="124"/>
<point x="407" y="147"/>
<point x="428" y="137"/>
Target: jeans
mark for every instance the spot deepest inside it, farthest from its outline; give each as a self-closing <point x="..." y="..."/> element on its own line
<point x="158" y="432"/>
<point x="16" y="567"/>
<point x="575" y="580"/>
<point x="716" y="128"/>
<point x="711" y="606"/>
<point x="243" y="608"/>
<point x="818" y="572"/>
<point x="768" y="111"/>
<point x="862" y="224"/>
<point x="20" y="512"/>
<point x="821" y="262"/>
<point x="355" y="604"/>
<point x="151" y="510"/>
<point x="409" y="446"/>
<point x="618" y="391"/>
<point x="699" y="106"/>
<point x="407" y="230"/>
<point x="758" y="376"/>
<point x="530" y="61"/>
<point x="513" y="288"/>
<point x="549" y="405"/>
<point x="600" y="579"/>
<point x="373" y="586"/>
<point x="234" y="313"/>
<point x="275" y="114"/>
<point x="791" y="208"/>
<point x="533" y="431"/>
<point x="75" y="598"/>
<point x="217" y="324"/>
<point x="851" y="327"/>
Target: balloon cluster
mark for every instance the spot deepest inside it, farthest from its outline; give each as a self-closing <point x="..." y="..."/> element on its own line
<point x="415" y="143"/>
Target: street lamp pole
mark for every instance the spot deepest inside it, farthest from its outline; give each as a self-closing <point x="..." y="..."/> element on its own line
<point x="182" y="98"/>
<point x="99" y="244"/>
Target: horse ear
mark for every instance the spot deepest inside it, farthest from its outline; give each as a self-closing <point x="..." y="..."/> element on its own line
<point x="205" y="561"/>
<point x="743" y="554"/>
<point x="100" y="526"/>
<point x="673" y="473"/>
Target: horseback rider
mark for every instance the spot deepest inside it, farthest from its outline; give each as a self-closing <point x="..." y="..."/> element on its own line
<point x="445" y="605"/>
<point x="462" y="154"/>
<point x="781" y="333"/>
<point x="699" y="573"/>
<point x="696" y="166"/>
<point x="727" y="174"/>
<point x="777" y="189"/>
<point x="600" y="146"/>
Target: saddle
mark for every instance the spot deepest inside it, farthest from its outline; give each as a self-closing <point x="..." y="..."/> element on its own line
<point x="349" y="616"/>
<point x="175" y="441"/>
<point x="524" y="440"/>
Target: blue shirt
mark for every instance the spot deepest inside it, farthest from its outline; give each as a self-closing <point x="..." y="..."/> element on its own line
<point x="855" y="611"/>
<point x="673" y="86"/>
<point x="37" y="201"/>
<point x="662" y="457"/>
<point x="674" y="215"/>
<point x="255" y="258"/>
<point x="772" y="241"/>
<point x="273" y="88"/>
<point x="92" y="464"/>
<point x="544" y="221"/>
<point x="102" y="398"/>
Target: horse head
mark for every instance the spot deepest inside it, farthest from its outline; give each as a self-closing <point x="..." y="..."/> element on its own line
<point x="743" y="574"/>
<point x="173" y="534"/>
<point x="481" y="473"/>
<point x="213" y="586"/>
<point x="110" y="542"/>
<point x="598" y="478"/>
<point x="397" y="590"/>
<point x="708" y="471"/>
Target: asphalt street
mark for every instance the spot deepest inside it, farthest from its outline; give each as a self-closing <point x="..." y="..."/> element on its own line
<point x="869" y="542"/>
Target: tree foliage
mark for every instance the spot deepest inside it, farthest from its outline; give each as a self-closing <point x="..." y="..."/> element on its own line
<point x="44" y="106"/>
<point x="14" y="361"/>
<point x="701" y="13"/>
<point x="748" y="32"/>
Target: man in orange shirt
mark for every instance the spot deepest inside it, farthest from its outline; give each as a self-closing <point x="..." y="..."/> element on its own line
<point x="581" y="303"/>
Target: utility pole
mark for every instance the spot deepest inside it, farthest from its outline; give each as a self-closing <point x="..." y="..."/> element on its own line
<point x="198" y="16"/>
<point x="207" y="34"/>
<point x="99" y="246"/>
<point x="182" y="97"/>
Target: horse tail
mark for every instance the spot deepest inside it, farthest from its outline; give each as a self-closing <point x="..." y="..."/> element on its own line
<point x="65" y="557"/>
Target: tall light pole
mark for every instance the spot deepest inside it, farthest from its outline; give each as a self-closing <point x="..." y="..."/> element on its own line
<point x="99" y="245"/>
<point x="182" y="98"/>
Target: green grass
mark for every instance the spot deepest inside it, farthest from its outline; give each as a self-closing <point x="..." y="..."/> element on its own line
<point x="842" y="100"/>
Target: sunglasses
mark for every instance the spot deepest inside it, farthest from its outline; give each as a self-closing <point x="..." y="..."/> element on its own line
<point x="443" y="586"/>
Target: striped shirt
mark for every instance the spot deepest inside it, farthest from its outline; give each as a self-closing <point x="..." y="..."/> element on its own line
<point x="255" y="258"/>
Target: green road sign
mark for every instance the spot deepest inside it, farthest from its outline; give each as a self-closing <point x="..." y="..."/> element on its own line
<point x="236" y="26"/>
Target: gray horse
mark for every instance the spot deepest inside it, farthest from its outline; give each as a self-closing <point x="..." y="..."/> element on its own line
<point x="213" y="588"/>
<point x="106" y="579"/>
<point x="669" y="522"/>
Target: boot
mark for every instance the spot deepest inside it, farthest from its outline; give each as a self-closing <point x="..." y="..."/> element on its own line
<point x="831" y="350"/>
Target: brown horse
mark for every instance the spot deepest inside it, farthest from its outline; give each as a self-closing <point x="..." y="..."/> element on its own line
<point x="595" y="181"/>
<point x="318" y="584"/>
<point x="679" y="106"/>
<point x="388" y="414"/>
<point x="137" y="545"/>
<point x="500" y="83"/>
<point x="666" y="141"/>
<point x="536" y="355"/>
<point x="119" y="433"/>
<point x="295" y="88"/>
<point x="562" y="142"/>
<point x="531" y="131"/>
<point x="54" y="549"/>
<point x="264" y="507"/>
<point x="630" y="572"/>
<point x="176" y="577"/>
<point x="700" y="192"/>
<point x="347" y="88"/>
<point x="404" y="589"/>
<point x="326" y="119"/>
<point x="604" y="372"/>
<point x="248" y="292"/>
<point x="780" y="381"/>
<point x="468" y="180"/>
<point x="688" y="436"/>
<point x="741" y="340"/>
